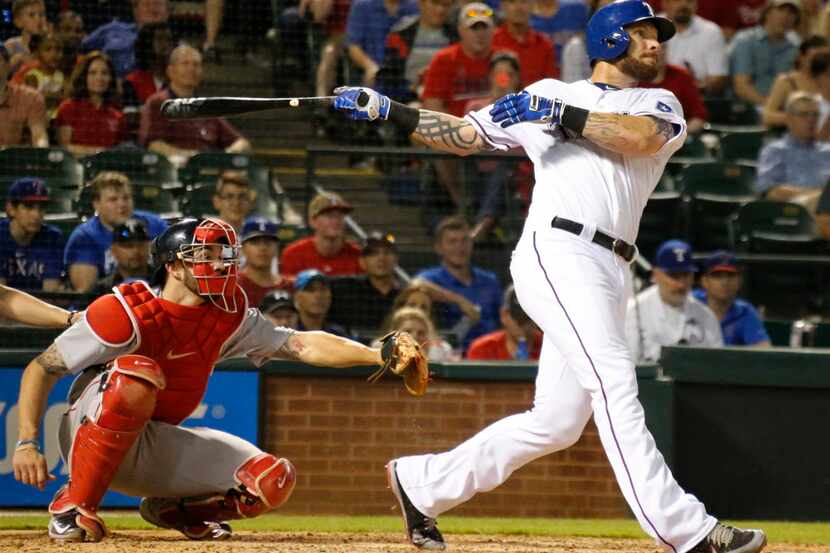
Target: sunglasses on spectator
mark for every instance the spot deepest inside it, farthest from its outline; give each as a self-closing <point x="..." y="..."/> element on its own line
<point x="476" y="12"/>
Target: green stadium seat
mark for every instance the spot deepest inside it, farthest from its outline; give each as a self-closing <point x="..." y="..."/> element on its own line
<point x="730" y="112"/>
<point x="144" y="168"/>
<point x="663" y="218"/>
<point x="765" y="226"/>
<point x="741" y="147"/>
<point x="56" y="166"/>
<point x="693" y="148"/>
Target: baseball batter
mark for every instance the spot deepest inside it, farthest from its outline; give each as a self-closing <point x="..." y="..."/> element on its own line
<point x="598" y="147"/>
<point x="154" y="355"/>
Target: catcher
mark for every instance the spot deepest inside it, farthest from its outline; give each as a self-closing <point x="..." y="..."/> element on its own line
<point x="148" y="358"/>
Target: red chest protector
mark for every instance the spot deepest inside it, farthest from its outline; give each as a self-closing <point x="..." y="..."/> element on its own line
<point x="184" y="341"/>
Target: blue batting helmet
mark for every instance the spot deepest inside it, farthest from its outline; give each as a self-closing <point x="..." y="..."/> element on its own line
<point x="606" y="36"/>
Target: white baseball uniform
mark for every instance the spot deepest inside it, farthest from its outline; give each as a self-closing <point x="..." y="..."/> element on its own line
<point x="651" y="323"/>
<point x="576" y="292"/>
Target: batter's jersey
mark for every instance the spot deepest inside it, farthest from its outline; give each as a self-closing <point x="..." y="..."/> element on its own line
<point x="650" y="324"/>
<point x="257" y="339"/>
<point x="578" y="179"/>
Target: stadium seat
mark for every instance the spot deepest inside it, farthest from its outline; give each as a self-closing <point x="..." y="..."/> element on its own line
<point x="663" y="218"/>
<point x="713" y="193"/>
<point x="144" y="168"/>
<point x="56" y="166"/>
<point x="765" y="226"/>
<point x="730" y="112"/>
<point x="742" y="147"/>
<point x="692" y="148"/>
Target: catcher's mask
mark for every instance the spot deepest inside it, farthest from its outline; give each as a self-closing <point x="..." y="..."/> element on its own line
<point x="208" y="250"/>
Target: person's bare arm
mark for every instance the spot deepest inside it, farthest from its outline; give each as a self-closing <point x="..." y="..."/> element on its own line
<point x="169" y="150"/>
<point x="240" y="145"/>
<point x="40" y="138"/>
<point x="783" y="192"/>
<point x="441" y="294"/>
<point x="773" y="114"/>
<point x="447" y="133"/>
<point x="52" y="285"/>
<point x="363" y="60"/>
<point x="746" y="90"/>
<point x="630" y="135"/>
<point x="21" y="307"/>
<point x="82" y="276"/>
<point x="823" y="224"/>
<point x="715" y="84"/>
<point x="327" y="350"/>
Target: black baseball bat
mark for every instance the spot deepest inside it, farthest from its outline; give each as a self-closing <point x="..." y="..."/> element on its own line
<point x="222" y="106"/>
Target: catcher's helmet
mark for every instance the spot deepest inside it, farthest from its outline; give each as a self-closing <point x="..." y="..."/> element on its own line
<point x="166" y="246"/>
<point x="606" y="37"/>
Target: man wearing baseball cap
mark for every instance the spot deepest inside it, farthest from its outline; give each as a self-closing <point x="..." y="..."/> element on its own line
<point x="130" y="250"/>
<point x="667" y="314"/>
<point x="31" y="252"/>
<point x="739" y="321"/>
<point x="312" y="298"/>
<point x="327" y="249"/>
<point x="278" y="307"/>
<point x="259" y="249"/>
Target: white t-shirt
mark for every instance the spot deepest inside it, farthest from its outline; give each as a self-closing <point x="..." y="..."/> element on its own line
<point x="257" y="338"/>
<point x="578" y="179"/>
<point x="651" y="324"/>
<point x="701" y="49"/>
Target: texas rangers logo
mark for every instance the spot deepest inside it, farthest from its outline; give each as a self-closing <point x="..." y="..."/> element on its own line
<point x="664" y="107"/>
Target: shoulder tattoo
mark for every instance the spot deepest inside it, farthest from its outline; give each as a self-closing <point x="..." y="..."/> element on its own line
<point x="663" y="128"/>
<point x="52" y="362"/>
<point x="434" y="128"/>
<point x="293" y="348"/>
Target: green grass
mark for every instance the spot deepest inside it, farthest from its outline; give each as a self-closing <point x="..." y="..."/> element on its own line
<point x="791" y="532"/>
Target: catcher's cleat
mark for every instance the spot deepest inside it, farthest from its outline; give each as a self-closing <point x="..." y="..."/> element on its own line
<point x="166" y="512"/>
<point x="72" y="526"/>
<point x="420" y="529"/>
<point x="726" y="539"/>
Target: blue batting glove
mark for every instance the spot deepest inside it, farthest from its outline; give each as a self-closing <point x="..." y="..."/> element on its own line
<point x="519" y="108"/>
<point x="361" y="103"/>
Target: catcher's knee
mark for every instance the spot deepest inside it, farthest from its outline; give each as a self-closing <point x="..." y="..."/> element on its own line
<point x="129" y="396"/>
<point x="270" y="480"/>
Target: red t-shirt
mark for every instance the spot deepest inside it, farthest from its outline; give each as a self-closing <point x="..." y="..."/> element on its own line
<point x="143" y="82"/>
<point x="302" y="254"/>
<point x="493" y="347"/>
<point x="255" y="292"/>
<point x="535" y="53"/>
<point x="682" y="84"/>
<point x="455" y="78"/>
<point x="102" y="127"/>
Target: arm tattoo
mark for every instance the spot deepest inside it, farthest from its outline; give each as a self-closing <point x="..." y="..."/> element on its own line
<point x="663" y="128"/>
<point x="52" y="362"/>
<point x="445" y="132"/>
<point x="293" y="348"/>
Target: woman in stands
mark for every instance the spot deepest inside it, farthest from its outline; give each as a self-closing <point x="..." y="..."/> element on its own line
<point x="799" y="79"/>
<point x="416" y="322"/>
<point x="90" y="120"/>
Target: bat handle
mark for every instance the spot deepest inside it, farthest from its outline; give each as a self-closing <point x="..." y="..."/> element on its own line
<point x="362" y="99"/>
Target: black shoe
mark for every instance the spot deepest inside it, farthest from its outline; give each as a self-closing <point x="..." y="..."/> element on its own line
<point x="420" y="529"/>
<point x="726" y="539"/>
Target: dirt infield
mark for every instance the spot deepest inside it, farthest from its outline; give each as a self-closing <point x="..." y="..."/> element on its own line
<point x="307" y="542"/>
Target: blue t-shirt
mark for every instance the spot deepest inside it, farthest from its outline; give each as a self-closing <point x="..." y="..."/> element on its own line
<point x="742" y="326"/>
<point x="90" y="242"/>
<point x="484" y="291"/>
<point x="26" y="266"/>
<point x="117" y="40"/>
<point x="369" y="23"/>
<point x="572" y="18"/>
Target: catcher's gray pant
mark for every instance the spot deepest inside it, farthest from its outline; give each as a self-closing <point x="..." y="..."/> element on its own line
<point x="166" y="460"/>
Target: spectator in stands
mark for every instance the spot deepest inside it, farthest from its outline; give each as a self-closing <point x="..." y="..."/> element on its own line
<point x="535" y="50"/>
<point x="180" y="140"/>
<point x="367" y="26"/>
<point x="823" y="213"/>
<point x="757" y="55"/>
<point x="31" y="252"/>
<point x="43" y="72"/>
<point x="796" y="167"/>
<point x="29" y="16"/>
<point x="820" y="72"/>
<point x="410" y="47"/>
<point x="90" y="120"/>
<point x="677" y="80"/>
<point x="259" y="248"/>
<point x="130" y="251"/>
<point x="278" y="307"/>
<point x="332" y="15"/>
<point x="361" y="302"/>
<point x="456" y="273"/>
<point x="698" y="46"/>
<point x="99" y="13"/>
<point x="214" y="14"/>
<point x="739" y="322"/>
<point x="422" y="294"/>
<point x="799" y="79"/>
<point x="117" y="38"/>
<point x="87" y="256"/>
<point x="519" y="337"/>
<point x="233" y="198"/>
<point x="21" y="108"/>
<point x="667" y="314"/>
<point x="417" y="323"/>
<point x="575" y="64"/>
<point x="312" y="298"/>
<point x="70" y="26"/>
<point x="152" y="48"/>
<point x="559" y="21"/>
<point x="327" y="249"/>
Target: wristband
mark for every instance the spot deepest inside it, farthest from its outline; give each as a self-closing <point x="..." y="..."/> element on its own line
<point x="69" y="318"/>
<point x="574" y="119"/>
<point x="21" y="443"/>
<point x="405" y="117"/>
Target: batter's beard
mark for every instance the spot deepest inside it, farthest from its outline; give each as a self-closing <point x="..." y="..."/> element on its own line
<point x="636" y="69"/>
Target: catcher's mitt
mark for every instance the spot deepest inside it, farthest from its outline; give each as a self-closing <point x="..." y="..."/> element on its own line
<point x="402" y="355"/>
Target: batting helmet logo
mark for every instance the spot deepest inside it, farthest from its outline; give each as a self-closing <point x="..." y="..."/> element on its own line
<point x="606" y="36"/>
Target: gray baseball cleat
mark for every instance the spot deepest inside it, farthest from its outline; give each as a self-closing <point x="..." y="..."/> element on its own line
<point x="63" y="527"/>
<point x="166" y="512"/>
<point x="727" y="539"/>
<point x="421" y="530"/>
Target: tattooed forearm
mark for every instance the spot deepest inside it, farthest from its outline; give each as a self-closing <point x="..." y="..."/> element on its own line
<point x="631" y="135"/>
<point x="448" y="133"/>
<point x="52" y="362"/>
<point x="293" y="348"/>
